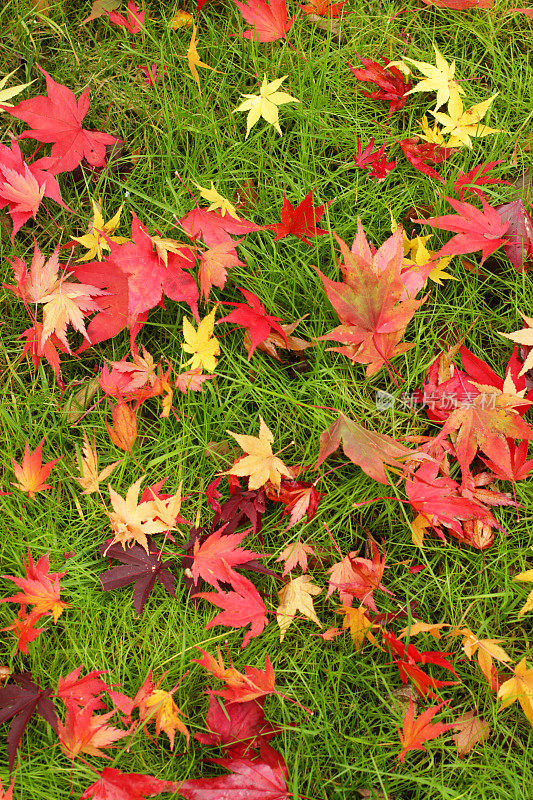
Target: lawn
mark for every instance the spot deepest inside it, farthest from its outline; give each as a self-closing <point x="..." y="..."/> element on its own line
<point x="339" y="704"/>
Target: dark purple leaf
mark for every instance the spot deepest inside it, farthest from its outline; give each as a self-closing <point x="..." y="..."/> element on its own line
<point x="242" y="508"/>
<point x="19" y="701"/>
<point x="139" y="567"/>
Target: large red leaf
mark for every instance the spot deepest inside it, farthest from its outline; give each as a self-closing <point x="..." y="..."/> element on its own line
<point x="116" y="785"/>
<point x="268" y="21"/>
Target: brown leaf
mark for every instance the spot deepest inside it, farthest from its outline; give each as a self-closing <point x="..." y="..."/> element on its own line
<point x="124" y="431"/>
<point x="99" y="8"/>
<point x="78" y="403"/>
<point x="90" y="479"/>
<point x="470" y="731"/>
<point x="246" y="194"/>
<point x="328" y="25"/>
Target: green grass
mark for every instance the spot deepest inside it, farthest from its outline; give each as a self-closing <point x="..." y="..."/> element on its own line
<point x="351" y="740"/>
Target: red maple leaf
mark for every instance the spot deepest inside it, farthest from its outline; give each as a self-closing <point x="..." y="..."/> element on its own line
<point x="519" y="246"/>
<point x="213" y="228"/>
<point x="420" y="154"/>
<point x="268" y="21"/>
<point x="32" y="473"/>
<point x="214" y="558"/>
<point x="38" y="349"/>
<point x="375" y="161"/>
<point x="474" y="229"/>
<point x="300" y="220"/>
<point x="75" y="690"/>
<point x="240" y="688"/>
<point x="242" y="607"/>
<point x="364" y="578"/>
<point x="23" y="186"/>
<point x="214" y="265"/>
<point x="40" y="588"/>
<point x="527" y="11"/>
<point x="392" y="86"/>
<point x="264" y="778"/>
<point x="252" y="316"/>
<point x="476" y="177"/>
<point x="417" y="731"/>
<point x="23" y="630"/>
<point x="520" y="464"/>
<point x="133" y="21"/>
<point x="116" y="785"/>
<point x="57" y="118"/>
<point x="236" y="728"/>
<point x="370" y="304"/>
<point x="299" y="499"/>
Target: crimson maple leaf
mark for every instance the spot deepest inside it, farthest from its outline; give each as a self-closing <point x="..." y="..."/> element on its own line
<point x="299" y="499"/>
<point x="269" y="21"/>
<point x="32" y="473"/>
<point x="236" y="728"/>
<point x="23" y="186"/>
<point x="264" y="778"/>
<point x="213" y="228"/>
<point x="132" y="22"/>
<point x="19" y="701"/>
<point x="375" y="161"/>
<point x="300" y="220"/>
<point x="252" y="316"/>
<point x="75" y="690"/>
<point x="392" y="86"/>
<point x="371" y="303"/>
<point x="519" y="246"/>
<point x="240" y="508"/>
<point x="417" y="731"/>
<point x="47" y="350"/>
<point x="140" y="567"/>
<point x="474" y="229"/>
<point x="240" y="688"/>
<point x="324" y="8"/>
<point x="116" y="785"/>
<point x="112" y="309"/>
<point x="23" y="630"/>
<point x="476" y="177"/>
<point x="241" y="607"/>
<point x="57" y="118"/>
<point x="214" y="558"/>
<point x="421" y="154"/>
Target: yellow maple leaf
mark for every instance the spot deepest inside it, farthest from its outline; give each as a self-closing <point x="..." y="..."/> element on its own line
<point x="8" y="94"/>
<point x="90" y="478"/>
<point x="181" y="19"/>
<point x="526" y="577"/>
<point x="201" y="343"/>
<point x="432" y="628"/>
<point x="416" y="253"/>
<point x="486" y="649"/>
<point x="160" y="707"/>
<point x="461" y="124"/>
<point x="297" y="595"/>
<point x="359" y="625"/>
<point x="217" y="201"/>
<point x="437" y="79"/>
<point x="520" y="688"/>
<point x="523" y="337"/>
<point x="265" y="104"/>
<point x="94" y="240"/>
<point x="194" y="59"/>
<point x="260" y="464"/>
<point x="432" y="135"/>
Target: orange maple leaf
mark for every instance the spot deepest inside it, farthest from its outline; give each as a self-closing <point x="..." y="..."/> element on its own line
<point x="86" y="732"/>
<point x="159" y="707"/>
<point x="32" y="473"/>
<point x="417" y="731"/>
<point x="40" y="588"/>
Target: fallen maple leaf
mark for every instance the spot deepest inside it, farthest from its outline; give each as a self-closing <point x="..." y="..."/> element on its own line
<point x="421" y="154"/>
<point x="201" y="343"/>
<point x="324" y="8"/>
<point x="471" y="730"/>
<point x="260" y="465"/>
<point x="19" y="701"/>
<point x="240" y="688"/>
<point x="83" y="731"/>
<point x="392" y="86"/>
<point x="299" y="499"/>
<point x="75" y="690"/>
<point x="217" y="201"/>
<point x="130" y="521"/>
<point x="143" y="568"/>
<point x="358" y="623"/>
<point x="236" y="728"/>
<point x="479" y="176"/>
<point x="57" y="119"/>
<point x="32" y="473"/>
<point x="486" y="649"/>
<point x="194" y="59"/>
<point x="99" y="233"/>
<point x="113" y="784"/>
<point x="90" y="478"/>
<point x="13" y="91"/>
<point x="437" y="79"/>
<point x="213" y="227"/>
<point x="519" y="234"/>
<point x="300" y="220"/>
<point x="265" y="104"/>
<point x="375" y="161"/>
<point x="132" y="22"/>
<point x="527" y="577"/>
<point x="253" y="317"/>
<point x="275" y="341"/>
<point x="215" y="557"/>
<point x="295" y="554"/>
<point x="264" y="778"/>
<point x="159" y="707"/>
<point x="123" y="432"/>
<point x="240" y="608"/>
<point x="519" y="687"/>
<point x="268" y="21"/>
<point x="99" y="8"/>
<point x="474" y="229"/>
<point x="40" y="588"/>
<point x="416" y="732"/>
<point x="524" y="337"/>
<point x="461" y="124"/>
<point x="367" y="449"/>
<point x="297" y="595"/>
